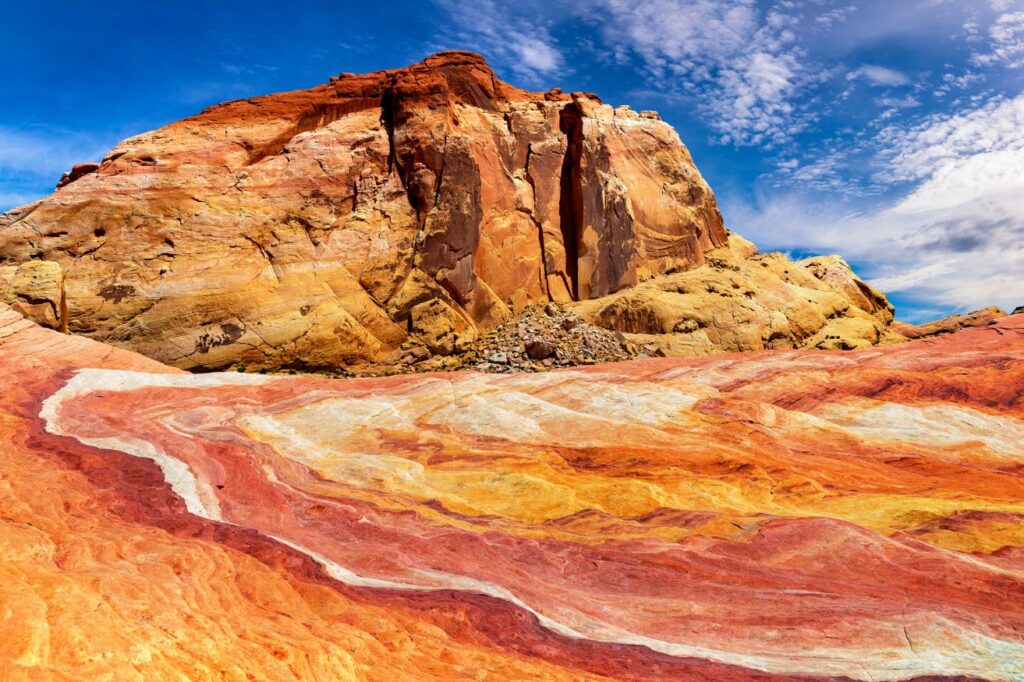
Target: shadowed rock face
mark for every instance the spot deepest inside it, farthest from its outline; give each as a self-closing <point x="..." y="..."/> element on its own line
<point x="775" y="515"/>
<point x="329" y="226"/>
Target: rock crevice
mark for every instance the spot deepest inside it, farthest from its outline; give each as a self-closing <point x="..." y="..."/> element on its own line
<point x="570" y="198"/>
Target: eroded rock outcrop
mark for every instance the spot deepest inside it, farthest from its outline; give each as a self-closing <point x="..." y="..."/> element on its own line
<point x="330" y="226"/>
<point x="953" y="323"/>
<point x="742" y="300"/>
<point x="768" y="516"/>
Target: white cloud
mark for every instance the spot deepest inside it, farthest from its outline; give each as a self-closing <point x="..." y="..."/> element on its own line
<point x="952" y="81"/>
<point x="537" y="54"/>
<point x="742" y="65"/>
<point x="32" y="160"/>
<point x="879" y="75"/>
<point x="955" y="239"/>
<point x="45" y="152"/>
<point x="519" y="43"/>
<point x="835" y="16"/>
<point x="962" y="180"/>
<point x="1006" y="39"/>
<point x="826" y="173"/>
<point x="905" y="102"/>
<point x="13" y="199"/>
<point x="915" y="152"/>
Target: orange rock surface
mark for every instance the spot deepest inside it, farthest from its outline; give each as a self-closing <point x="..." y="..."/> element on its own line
<point x="326" y="227"/>
<point x="341" y="227"/>
<point x="773" y="515"/>
<point x="948" y="325"/>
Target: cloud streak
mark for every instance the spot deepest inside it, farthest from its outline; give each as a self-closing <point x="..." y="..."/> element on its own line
<point x="521" y="44"/>
<point x="32" y="160"/>
<point x="742" y="65"/>
<point x="879" y="75"/>
<point x="45" y="152"/>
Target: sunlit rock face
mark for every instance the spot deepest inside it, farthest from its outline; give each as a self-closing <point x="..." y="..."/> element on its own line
<point x="741" y="300"/>
<point x="800" y="513"/>
<point x="326" y="227"/>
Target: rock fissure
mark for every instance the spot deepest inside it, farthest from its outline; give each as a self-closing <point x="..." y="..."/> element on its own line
<point x="570" y="198"/>
<point x="387" y="119"/>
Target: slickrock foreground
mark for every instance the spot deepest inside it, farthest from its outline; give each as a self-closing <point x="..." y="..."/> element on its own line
<point x="816" y="514"/>
<point x="349" y="224"/>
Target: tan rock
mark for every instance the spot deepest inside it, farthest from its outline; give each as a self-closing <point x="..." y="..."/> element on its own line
<point x="36" y="290"/>
<point x="744" y="301"/>
<point x="838" y="275"/>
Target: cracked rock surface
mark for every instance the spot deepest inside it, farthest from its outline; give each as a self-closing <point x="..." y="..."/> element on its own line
<point x="546" y="337"/>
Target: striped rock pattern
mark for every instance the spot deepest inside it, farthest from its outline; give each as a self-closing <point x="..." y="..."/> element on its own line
<point x="817" y="514"/>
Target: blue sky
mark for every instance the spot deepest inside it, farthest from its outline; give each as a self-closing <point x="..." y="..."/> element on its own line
<point x="890" y="131"/>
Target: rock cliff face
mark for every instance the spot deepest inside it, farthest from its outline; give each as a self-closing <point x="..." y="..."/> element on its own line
<point x="331" y="226"/>
<point x="779" y="515"/>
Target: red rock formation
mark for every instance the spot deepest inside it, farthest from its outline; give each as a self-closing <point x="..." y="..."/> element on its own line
<point x="76" y="172"/>
<point x="948" y="325"/>
<point x="328" y="226"/>
<point x="765" y="516"/>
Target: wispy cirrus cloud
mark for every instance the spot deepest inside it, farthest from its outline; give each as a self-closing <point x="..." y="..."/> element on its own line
<point x="518" y="41"/>
<point x="45" y="151"/>
<point x="33" y="159"/>
<point x="741" y="64"/>
<point x="879" y="75"/>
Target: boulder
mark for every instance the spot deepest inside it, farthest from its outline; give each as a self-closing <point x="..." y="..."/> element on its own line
<point x="741" y="300"/>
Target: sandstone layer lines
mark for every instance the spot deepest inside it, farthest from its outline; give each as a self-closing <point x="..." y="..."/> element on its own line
<point x="652" y="519"/>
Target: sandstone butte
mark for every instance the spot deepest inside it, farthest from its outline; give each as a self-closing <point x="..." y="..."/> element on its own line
<point x="340" y="226"/>
<point x="771" y="515"/>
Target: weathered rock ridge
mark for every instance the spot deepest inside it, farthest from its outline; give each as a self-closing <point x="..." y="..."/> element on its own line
<point x="349" y="223"/>
<point x="953" y="323"/>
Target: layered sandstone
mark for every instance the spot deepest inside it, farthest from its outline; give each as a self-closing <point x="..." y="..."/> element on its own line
<point x="328" y="227"/>
<point x="773" y="515"/>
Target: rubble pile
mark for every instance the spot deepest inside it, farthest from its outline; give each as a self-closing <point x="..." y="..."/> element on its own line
<point x="545" y="337"/>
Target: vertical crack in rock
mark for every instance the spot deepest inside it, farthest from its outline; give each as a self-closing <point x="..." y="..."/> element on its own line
<point x="442" y="184"/>
<point x="387" y="118"/>
<point x="440" y="172"/>
<point x="570" y="206"/>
